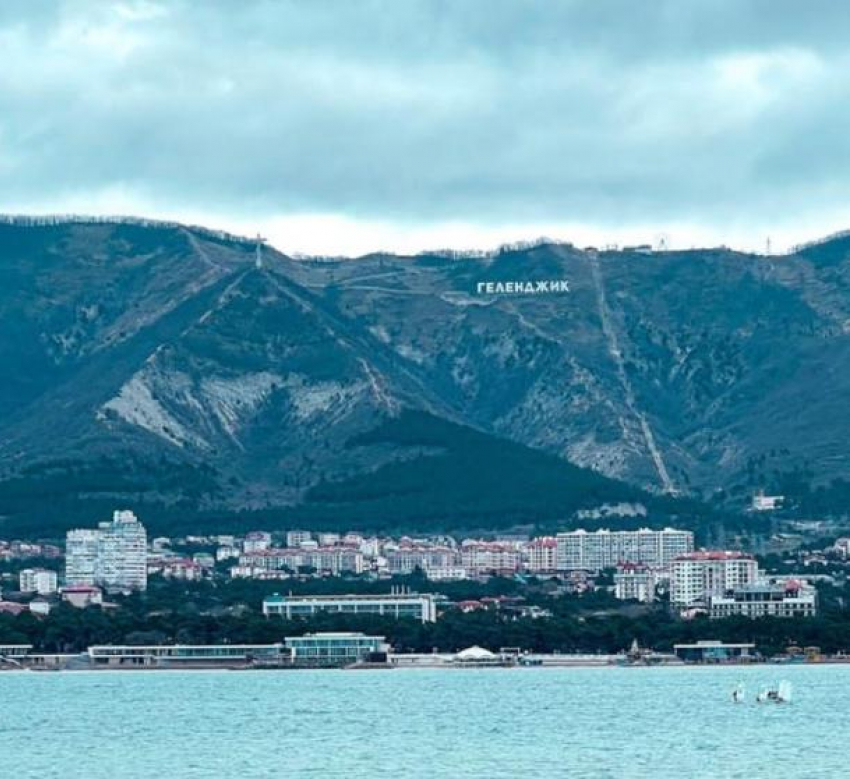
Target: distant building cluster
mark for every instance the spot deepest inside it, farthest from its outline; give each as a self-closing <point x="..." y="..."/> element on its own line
<point x="646" y="565"/>
<point x="444" y="558"/>
<point x="730" y="584"/>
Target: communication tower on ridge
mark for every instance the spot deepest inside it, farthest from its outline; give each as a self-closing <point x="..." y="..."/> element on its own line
<point x="258" y="257"/>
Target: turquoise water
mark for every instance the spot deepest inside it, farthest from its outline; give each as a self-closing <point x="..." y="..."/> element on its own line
<point x="595" y="723"/>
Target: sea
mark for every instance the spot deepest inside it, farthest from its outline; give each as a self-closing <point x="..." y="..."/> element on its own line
<point x="581" y="723"/>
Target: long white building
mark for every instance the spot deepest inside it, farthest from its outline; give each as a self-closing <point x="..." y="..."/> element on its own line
<point x="115" y="555"/>
<point x="699" y="576"/>
<point x="397" y="605"/>
<point x="593" y="551"/>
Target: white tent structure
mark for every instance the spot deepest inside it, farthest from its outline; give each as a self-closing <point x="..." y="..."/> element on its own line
<point x="476" y="654"/>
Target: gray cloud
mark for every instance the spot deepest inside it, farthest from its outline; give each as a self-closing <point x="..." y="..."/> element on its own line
<point x="602" y="111"/>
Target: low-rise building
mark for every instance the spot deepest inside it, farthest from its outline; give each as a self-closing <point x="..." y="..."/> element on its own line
<point x="328" y="539"/>
<point x="634" y="581"/>
<point x="336" y="649"/>
<point x="182" y="568"/>
<point x="40" y="606"/>
<point x="713" y="652"/>
<point x="82" y="596"/>
<point x="257" y="541"/>
<point x="396" y="605"/>
<point x="792" y="599"/>
<point x="295" y="538"/>
<point x="448" y="574"/>
<point x="228" y="552"/>
<point x="762" y="502"/>
<point x="183" y="655"/>
<point x="39" y="580"/>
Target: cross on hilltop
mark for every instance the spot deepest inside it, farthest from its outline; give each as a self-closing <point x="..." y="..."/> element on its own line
<point x="258" y="257"/>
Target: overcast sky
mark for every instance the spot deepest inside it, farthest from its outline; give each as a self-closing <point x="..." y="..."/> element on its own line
<point x="342" y="127"/>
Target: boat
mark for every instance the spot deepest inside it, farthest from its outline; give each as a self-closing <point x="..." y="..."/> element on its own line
<point x="779" y="694"/>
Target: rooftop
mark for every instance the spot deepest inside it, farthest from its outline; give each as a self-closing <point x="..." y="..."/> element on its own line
<point x="379" y="596"/>
<point x="715" y="555"/>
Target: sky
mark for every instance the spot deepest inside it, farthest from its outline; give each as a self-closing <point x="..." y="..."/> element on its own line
<point x="403" y="125"/>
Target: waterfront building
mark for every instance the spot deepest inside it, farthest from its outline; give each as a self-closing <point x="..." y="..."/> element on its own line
<point x="792" y="599"/>
<point x="593" y="551"/>
<point x="39" y="580"/>
<point x="698" y="576"/>
<point x="336" y="649"/>
<point x="183" y="655"/>
<point x="634" y="581"/>
<point x="396" y="605"/>
<point x="713" y="652"/>
<point x="113" y="556"/>
<point x="14" y="653"/>
<point x="295" y="538"/>
<point x="542" y="555"/>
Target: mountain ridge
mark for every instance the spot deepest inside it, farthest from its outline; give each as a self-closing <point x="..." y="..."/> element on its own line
<point x="684" y="372"/>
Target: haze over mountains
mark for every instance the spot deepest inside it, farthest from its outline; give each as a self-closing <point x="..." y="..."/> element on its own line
<point x="132" y="351"/>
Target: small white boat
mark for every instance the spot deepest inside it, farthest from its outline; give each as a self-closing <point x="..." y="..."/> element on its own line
<point x="779" y="694"/>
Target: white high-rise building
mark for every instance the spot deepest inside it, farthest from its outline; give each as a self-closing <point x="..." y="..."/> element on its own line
<point x="580" y="550"/>
<point x="81" y="553"/>
<point x="114" y="556"/>
<point x="699" y="576"/>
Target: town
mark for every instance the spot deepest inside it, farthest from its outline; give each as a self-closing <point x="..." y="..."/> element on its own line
<point x="327" y="584"/>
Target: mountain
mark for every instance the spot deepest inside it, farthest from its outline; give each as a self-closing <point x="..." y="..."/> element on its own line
<point x="168" y="364"/>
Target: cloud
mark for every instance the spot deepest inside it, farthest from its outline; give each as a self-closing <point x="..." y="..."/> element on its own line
<point x="428" y="121"/>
